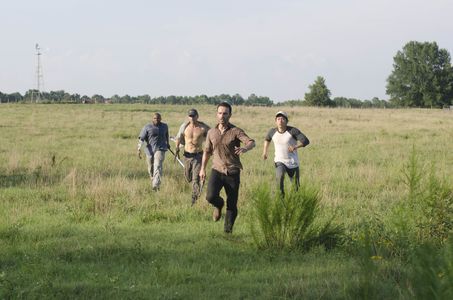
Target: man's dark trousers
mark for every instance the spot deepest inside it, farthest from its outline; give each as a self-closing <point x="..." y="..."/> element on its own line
<point x="230" y="182"/>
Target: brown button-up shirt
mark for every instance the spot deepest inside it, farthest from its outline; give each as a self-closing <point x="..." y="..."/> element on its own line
<point x="221" y="147"/>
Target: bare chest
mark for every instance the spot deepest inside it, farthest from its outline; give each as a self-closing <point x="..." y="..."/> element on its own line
<point x="194" y="132"/>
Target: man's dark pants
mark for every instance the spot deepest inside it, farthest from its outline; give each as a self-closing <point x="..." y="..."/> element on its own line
<point x="280" y="170"/>
<point x="230" y="182"/>
<point x="192" y="166"/>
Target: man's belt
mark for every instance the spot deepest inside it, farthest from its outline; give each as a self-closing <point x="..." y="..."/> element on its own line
<point x="192" y="155"/>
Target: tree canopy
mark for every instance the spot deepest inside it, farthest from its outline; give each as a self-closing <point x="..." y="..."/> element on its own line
<point x="422" y="76"/>
<point x="319" y="94"/>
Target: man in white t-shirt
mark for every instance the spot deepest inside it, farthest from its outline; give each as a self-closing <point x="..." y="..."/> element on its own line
<point x="286" y="140"/>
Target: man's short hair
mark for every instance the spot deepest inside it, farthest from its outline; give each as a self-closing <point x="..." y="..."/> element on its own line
<point x="226" y="104"/>
<point x="192" y="112"/>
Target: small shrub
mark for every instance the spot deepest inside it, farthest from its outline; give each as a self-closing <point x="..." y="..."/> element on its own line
<point x="291" y="222"/>
<point x="424" y="215"/>
<point x="431" y="275"/>
<point x="430" y="203"/>
<point x="413" y="174"/>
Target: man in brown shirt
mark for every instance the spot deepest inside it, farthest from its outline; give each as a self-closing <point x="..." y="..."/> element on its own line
<point x="192" y="134"/>
<point x="223" y="143"/>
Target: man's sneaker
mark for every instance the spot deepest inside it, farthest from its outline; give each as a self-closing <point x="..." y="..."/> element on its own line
<point x="216" y="214"/>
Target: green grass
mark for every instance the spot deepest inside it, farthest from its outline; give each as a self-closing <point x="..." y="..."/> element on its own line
<point x="78" y="218"/>
<point x="164" y="260"/>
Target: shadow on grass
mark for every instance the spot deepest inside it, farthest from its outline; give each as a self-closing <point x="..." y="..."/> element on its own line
<point x="161" y="261"/>
<point x="13" y="180"/>
<point x="24" y="179"/>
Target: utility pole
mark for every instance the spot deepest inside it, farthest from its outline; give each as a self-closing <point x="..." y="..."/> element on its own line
<point x="39" y="74"/>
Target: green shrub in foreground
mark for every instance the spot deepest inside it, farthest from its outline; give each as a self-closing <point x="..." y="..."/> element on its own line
<point x="291" y="222"/>
<point x="431" y="272"/>
<point x="423" y="216"/>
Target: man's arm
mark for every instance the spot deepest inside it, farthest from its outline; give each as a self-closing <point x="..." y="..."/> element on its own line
<point x="177" y="146"/>
<point x="265" y="148"/>
<point x="141" y="139"/>
<point x="247" y="147"/>
<point x="139" y="146"/>
<point x="179" y="138"/>
<point x="206" y="155"/>
<point x="295" y="147"/>
<point x="167" y="137"/>
<point x="301" y="139"/>
<point x="248" y="143"/>
<point x="204" y="162"/>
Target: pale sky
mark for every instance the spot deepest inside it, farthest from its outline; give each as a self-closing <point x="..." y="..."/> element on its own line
<point x="193" y="47"/>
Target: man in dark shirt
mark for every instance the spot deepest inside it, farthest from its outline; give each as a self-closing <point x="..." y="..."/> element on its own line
<point x="156" y="137"/>
<point x="223" y="142"/>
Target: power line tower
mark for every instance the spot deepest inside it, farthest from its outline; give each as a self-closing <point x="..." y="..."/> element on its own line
<point x="39" y="75"/>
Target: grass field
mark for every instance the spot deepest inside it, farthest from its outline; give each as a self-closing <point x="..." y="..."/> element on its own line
<point x="78" y="218"/>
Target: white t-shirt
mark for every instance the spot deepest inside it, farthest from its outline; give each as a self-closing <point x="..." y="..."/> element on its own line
<point x="281" y="143"/>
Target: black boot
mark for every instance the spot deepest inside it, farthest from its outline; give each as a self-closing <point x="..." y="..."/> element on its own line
<point x="230" y="217"/>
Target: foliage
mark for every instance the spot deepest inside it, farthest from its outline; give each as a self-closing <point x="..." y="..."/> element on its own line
<point x="424" y="216"/>
<point x="431" y="200"/>
<point x="319" y="94"/>
<point x="63" y="97"/>
<point x="254" y="100"/>
<point x="431" y="272"/>
<point x="288" y="222"/>
<point x="422" y="76"/>
<point x="356" y="103"/>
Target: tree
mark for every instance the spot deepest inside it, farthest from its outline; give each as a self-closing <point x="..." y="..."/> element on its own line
<point x="98" y="98"/>
<point x="254" y="100"/>
<point x="237" y="99"/>
<point x="75" y="98"/>
<point x="422" y="76"/>
<point x="319" y="94"/>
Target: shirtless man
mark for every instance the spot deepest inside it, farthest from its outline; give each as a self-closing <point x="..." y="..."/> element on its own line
<point x="192" y="134"/>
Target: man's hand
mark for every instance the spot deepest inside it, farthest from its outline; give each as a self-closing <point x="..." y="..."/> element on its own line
<point x="292" y="148"/>
<point x="202" y="175"/>
<point x="264" y="156"/>
<point x="139" y="154"/>
<point x="239" y="150"/>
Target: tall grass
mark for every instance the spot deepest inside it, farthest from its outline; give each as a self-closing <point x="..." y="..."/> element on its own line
<point x="78" y="217"/>
<point x="417" y="232"/>
<point x="289" y="222"/>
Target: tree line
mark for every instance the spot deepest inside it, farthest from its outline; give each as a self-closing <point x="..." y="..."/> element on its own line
<point x="422" y="76"/>
<point x="253" y="100"/>
<point x="64" y="97"/>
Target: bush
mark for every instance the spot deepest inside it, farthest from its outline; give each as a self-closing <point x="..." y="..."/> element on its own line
<point x="431" y="272"/>
<point x="291" y="222"/>
<point x="430" y="201"/>
<point x="423" y="216"/>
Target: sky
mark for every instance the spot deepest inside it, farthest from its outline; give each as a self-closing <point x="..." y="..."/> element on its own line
<point x="193" y="47"/>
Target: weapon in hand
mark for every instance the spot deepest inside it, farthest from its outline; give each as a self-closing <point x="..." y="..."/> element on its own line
<point x="179" y="161"/>
<point x="201" y="187"/>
